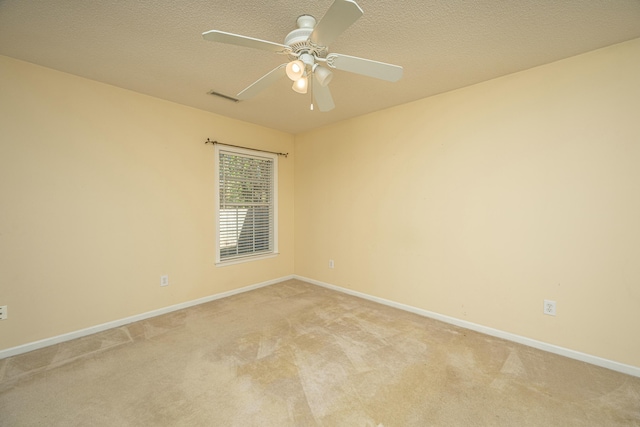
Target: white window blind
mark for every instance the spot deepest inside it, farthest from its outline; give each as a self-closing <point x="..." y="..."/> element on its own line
<point x="246" y="204"/>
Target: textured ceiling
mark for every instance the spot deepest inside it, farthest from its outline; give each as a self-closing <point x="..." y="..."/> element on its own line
<point x="155" y="47"/>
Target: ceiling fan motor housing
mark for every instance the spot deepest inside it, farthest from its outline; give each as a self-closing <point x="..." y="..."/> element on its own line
<point x="298" y="39"/>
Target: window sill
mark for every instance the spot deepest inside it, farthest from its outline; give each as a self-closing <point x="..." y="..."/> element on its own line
<point x="246" y="259"/>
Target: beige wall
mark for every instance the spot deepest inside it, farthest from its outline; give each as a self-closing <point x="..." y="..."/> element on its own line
<point x="103" y="190"/>
<point x="480" y="203"/>
<point x="476" y="204"/>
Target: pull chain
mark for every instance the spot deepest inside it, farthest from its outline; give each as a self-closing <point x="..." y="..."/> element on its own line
<point x="312" y="85"/>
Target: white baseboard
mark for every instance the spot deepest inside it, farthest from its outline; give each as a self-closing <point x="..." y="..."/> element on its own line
<point x="583" y="357"/>
<point x="13" y="351"/>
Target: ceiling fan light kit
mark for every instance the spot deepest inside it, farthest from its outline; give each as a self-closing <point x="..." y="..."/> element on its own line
<point x="306" y="47"/>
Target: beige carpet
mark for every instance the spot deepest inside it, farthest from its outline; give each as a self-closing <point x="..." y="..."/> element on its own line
<point x="294" y="354"/>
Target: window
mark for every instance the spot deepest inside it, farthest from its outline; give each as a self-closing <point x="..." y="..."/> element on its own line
<point x="246" y="204"/>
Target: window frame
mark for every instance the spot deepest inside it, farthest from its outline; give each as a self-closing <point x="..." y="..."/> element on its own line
<point x="246" y="152"/>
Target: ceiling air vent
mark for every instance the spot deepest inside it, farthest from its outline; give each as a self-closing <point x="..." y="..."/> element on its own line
<point x="221" y="95"/>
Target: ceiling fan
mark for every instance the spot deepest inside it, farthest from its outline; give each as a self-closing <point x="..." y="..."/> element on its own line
<point x="309" y="57"/>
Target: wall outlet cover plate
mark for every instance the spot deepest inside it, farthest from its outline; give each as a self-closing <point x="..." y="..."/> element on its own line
<point x="549" y="307"/>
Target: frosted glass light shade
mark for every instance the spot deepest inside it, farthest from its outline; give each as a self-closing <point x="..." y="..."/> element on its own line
<point x="295" y="70"/>
<point x="323" y="75"/>
<point x="300" y="85"/>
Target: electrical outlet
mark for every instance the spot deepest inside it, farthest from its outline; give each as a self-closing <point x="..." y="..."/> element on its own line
<point x="549" y="307"/>
<point x="331" y="264"/>
<point x="3" y="312"/>
<point x="164" y="280"/>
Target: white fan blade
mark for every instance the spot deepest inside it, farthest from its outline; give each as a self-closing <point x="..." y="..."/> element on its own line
<point x="265" y="81"/>
<point x="222" y="37"/>
<point x="340" y="16"/>
<point x="366" y="67"/>
<point x="323" y="97"/>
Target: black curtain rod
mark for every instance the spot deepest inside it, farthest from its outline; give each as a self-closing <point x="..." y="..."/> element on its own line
<point x="248" y="148"/>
